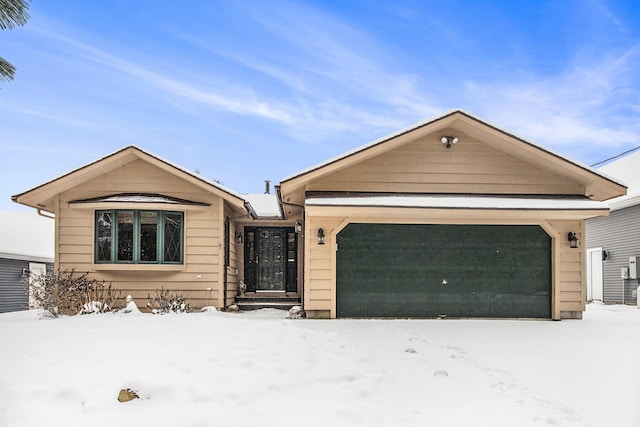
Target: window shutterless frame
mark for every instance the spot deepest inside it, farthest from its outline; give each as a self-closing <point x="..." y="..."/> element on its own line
<point x="125" y="236"/>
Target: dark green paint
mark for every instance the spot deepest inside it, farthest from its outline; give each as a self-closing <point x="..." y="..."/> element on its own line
<point x="139" y="237"/>
<point x="393" y="270"/>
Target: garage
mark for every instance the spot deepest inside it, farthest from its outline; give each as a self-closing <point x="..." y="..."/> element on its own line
<point x="435" y="270"/>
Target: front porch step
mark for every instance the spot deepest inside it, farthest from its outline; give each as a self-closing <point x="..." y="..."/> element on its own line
<point x="256" y="302"/>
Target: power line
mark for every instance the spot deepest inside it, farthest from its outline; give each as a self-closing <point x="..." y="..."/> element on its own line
<point x="615" y="157"/>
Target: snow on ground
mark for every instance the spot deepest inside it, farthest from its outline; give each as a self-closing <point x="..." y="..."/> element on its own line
<point x="258" y="368"/>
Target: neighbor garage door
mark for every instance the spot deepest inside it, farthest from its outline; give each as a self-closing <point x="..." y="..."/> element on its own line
<point x="394" y="270"/>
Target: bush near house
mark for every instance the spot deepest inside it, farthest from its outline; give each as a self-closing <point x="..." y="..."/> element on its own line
<point x="167" y="301"/>
<point x="63" y="293"/>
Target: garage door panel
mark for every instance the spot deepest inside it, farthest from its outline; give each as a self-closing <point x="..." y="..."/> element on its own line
<point x="391" y="270"/>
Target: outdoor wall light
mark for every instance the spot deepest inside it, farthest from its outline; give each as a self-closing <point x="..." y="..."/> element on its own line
<point x="298" y="227"/>
<point x="320" y="236"/>
<point x="238" y="237"/>
<point x="573" y="240"/>
<point x="449" y="140"/>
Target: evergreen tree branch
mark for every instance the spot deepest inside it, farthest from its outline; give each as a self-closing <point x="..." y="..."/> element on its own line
<point x="12" y="13"/>
<point x="7" y="71"/>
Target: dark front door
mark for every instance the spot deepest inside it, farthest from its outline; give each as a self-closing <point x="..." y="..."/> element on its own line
<point x="270" y="259"/>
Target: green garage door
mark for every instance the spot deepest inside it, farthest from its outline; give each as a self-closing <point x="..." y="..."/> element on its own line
<point x="394" y="270"/>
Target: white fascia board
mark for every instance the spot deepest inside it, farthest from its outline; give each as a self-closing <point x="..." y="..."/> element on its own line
<point x="462" y="202"/>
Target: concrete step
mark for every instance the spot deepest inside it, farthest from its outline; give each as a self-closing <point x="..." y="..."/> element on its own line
<point x="292" y="300"/>
<point x="258" y="300"/>
<point x="257" y="305"/>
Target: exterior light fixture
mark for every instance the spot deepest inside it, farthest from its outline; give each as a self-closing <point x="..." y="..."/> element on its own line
<point x="298" y="227"/>
<point x="573" y="240"/>
<point x="238" y="237"/>
<point x="449" y="140"/>
<point x="320" y="236"/>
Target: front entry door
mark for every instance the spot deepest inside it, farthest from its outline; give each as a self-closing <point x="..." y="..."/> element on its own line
<point x="270" y="259"/>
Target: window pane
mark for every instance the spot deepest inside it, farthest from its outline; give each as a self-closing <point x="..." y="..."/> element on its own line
<point x="172" y="237"/>
<point x="251" y="245"/>
<point x="104" y="223"/>
<point x="148" y="236"/>
<point x="291" y="247"/>
<point x="125" y="236"/>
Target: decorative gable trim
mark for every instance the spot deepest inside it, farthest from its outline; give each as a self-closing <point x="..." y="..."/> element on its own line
<point x="140" y="198"/>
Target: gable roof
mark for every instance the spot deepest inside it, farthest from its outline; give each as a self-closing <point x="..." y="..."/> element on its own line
<point x="40" y="197"/>
<point x="599" y="186"/>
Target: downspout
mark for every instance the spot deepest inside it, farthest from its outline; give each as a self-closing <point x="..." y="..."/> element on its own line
<point x="304" y="219"/>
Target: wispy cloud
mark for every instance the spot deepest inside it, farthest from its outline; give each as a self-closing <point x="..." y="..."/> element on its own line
<point x="601" y="8"/>
<point x="47" y="115"/>
<point x="317" y="74"/>
<point x="585" y="106"/>
<point x="233" y="99"/>
<point x="337" y="52"/>
<point x="338" y="79"/>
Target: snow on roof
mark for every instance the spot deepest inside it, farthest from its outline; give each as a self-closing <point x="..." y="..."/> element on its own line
<point x="264" y="205"/>
<point x="25" y="235"/>
<point x="626" y="169"/>
<point x="463" y="202"/>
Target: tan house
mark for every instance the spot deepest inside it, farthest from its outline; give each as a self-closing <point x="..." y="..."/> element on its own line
<point x="451" y="217"/>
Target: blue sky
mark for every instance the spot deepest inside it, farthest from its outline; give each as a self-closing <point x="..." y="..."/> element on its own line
<point x="244" y="91"/>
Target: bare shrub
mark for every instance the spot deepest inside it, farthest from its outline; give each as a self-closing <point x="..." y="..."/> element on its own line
<point x="63" y="293"/>
<point x="167" y="301"/>
<point x="98" y="297"/>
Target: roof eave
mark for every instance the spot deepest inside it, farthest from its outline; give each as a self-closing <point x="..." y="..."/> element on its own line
<point x="588" y="175"/>
<point x="38" y="196"/>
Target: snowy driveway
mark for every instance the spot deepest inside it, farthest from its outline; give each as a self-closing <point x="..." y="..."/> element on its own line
<point x="257" y="368"/>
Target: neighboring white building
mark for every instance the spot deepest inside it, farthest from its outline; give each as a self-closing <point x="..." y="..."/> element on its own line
<point x="613" y="240"/>
<point x="26" y="247"/>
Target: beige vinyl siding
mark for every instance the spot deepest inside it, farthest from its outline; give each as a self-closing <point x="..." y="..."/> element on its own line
<point x="570" y="264"/>
<point x="426" y="166"/>
<point x="233" y="269"/>
<point x="202" y="245"/>
<point x="320" y="269"/>
<point x="137" y="176"/>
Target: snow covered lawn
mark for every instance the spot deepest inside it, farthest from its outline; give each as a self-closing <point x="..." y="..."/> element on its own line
<point x="258" y="368"/>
